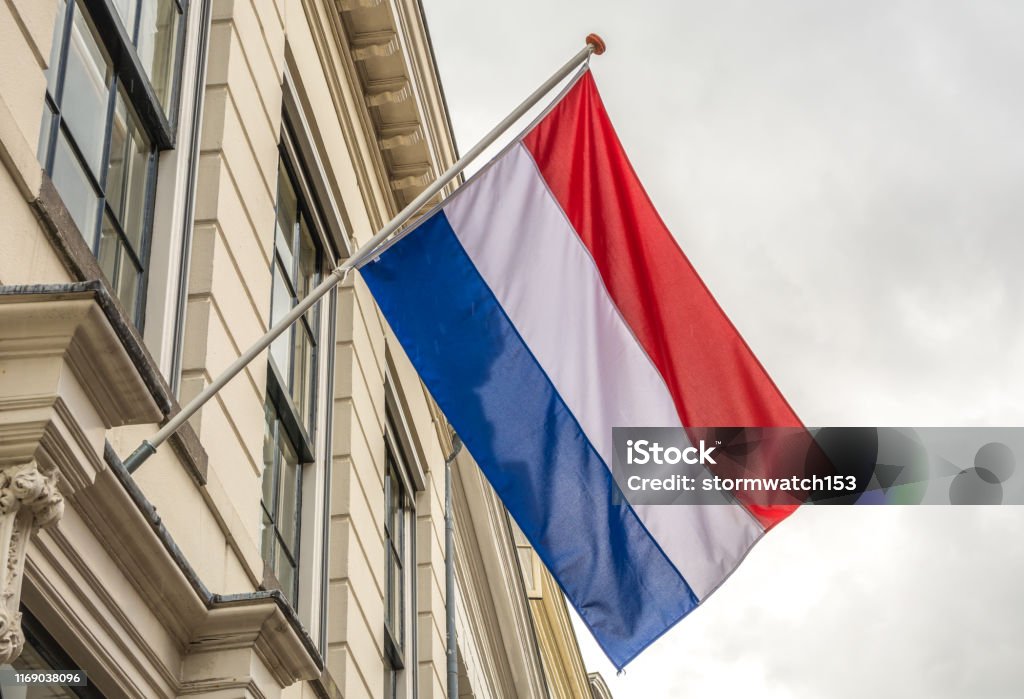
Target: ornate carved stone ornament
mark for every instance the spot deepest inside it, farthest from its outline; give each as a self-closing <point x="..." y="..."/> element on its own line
<point x="29" y="499"/>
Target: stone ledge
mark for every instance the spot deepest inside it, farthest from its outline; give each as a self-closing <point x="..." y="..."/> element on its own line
<point x="185" y="442"/>
<point x="263" y="620"/>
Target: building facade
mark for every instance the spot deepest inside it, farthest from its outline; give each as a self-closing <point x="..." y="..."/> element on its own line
<point x="177" y="175"/>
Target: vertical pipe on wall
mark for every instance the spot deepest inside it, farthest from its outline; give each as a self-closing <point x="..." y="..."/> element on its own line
<point x="449" y="573"/>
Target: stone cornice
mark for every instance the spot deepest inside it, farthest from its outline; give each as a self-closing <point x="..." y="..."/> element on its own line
<point x="39" y="326"/>
<point x="67" y="376"/>
<point x="297" y="652"/>
<point x="401" y="93"/>
<point x="260" y="621"/>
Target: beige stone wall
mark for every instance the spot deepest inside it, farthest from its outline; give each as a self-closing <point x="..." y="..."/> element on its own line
<point x="229" y="286"/>
<point x="26" y="27"/>
<point x="356" y="591"/>
<point x="229" y="292"/>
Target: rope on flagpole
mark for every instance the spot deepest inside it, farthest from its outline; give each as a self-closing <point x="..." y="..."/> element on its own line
<point x="148" y="447"/>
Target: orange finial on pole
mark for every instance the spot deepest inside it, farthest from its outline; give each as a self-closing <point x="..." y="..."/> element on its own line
<point x="597" y="42"/>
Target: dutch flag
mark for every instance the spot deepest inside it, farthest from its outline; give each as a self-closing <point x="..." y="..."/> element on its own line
<point x="543" y="304"/>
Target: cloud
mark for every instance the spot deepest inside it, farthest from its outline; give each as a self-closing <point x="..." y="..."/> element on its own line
<point x="846" y="177"/>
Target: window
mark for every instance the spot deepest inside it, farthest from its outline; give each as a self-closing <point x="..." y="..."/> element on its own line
<point x="291" y="380"/>
<point x="110" y="87"/>
<point x="399" y="545"/>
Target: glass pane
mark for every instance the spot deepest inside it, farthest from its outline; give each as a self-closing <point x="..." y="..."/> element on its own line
<point x="158" y="37"/>
<point x="269" y="452"/>
<point x="387" y="504"/>
<point x="397" y="623"/>
<point x="132" y="172"/>
<point x="394" y="508"/>
<point x="285" y="571"/>
<point x="126" y="8"/>
<point x="107" y="253"/>
<point x="389" y="569"/>
<point x="400" y="531"/>
<point x="117" y="163"/>
<point x="307" y="261"/>
<point x="128" y="172"/>
<point x="75" y="189"/>
<point x="280" y="304"/>
<point x="83" y="102"/>
<point x="268" y="539"/>
<point x="45" y="131"/>
<point x="389" y="527"/>
<point x="287" y="213"/>
<point x="287" y="508"/>
<point x="128" y="284"/>
<point x="56" y="47"/>
<point x="302" y="376"/>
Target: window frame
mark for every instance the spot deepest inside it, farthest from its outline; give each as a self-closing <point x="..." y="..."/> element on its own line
<point x="273" y="512"/>
<point x="302" y="435"/>
<point x="128" y="84"/>
<point x="126" y="61"/>
<point x="400" y="650"/>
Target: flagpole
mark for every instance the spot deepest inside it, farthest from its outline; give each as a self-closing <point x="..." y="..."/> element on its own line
<point x="148" y="447"/>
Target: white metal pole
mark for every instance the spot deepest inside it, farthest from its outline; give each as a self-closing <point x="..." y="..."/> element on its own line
<point x="594" y="44"/>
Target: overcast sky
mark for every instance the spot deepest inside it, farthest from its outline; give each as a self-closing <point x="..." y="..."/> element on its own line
<point x="848" y="178"/>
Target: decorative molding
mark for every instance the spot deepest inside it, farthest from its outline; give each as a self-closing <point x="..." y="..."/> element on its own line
<point x="45" y="336"/>
<point x="375" y="45"/>
<point x="350" y="5"/>
<point x="389" y="96"/>
<point x="598" y="687"/>
<point x="29" y="499"/>
<point x="412" y="177"/>
<point x="153" y="628"/>
<point x="400" y="140"/>
<point x="252" y="624"/>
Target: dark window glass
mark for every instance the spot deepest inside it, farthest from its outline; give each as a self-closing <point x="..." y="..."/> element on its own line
<point x="396" y="505"/>
<point x="399" y="567"/>
<point x="282" y="486"/>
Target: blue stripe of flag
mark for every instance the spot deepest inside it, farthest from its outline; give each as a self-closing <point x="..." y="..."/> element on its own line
<point x="526" y="441"/>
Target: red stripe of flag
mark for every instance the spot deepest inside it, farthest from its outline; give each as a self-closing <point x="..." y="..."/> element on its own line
<point x="714" y="378"/>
